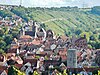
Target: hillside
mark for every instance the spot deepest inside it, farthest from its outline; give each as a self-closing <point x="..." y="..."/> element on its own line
<point x="63" y="19"/>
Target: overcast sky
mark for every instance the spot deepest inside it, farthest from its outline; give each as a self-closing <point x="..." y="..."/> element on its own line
<point x="52" y="3"/>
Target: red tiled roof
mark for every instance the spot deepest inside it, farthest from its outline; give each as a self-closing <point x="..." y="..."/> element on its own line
<point x="81" y="38"/>
<point x="79" y="54"/>
<point x="79" y="59"/>
<point x="25" y="37"/>
<point x="12" y="51"/>
<point x="64" y="57"/>
<point x="62" y="51"/>
<point x="64" y="38"/>
<point x="19" y="66"/>
<point x="22" y="53"/>
<point x="15" y="47"/>
<point x="48" y="62"/>
<point x="36" y="42"/>
<point x="2" y="68"/>
<point x="1" y="58"/>
<point x="32" y="61"/>
<point x="9" y="55"/>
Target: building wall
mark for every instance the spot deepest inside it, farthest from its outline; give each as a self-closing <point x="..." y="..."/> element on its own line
<point x="72" y="58"/>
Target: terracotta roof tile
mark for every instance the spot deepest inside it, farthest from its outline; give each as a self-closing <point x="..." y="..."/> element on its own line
<point x="19" y="66"/>
<point x="64" y="37"/>
<point x="3" y="68"/>
<point x="15" y="47"/>
<point x="32" y="61"/>
<point x="64" y="57"/>
<point x="25" y="37"/>
<point x="81" y="38"/>
<point x="36" y="42"/>
<point x="22" y="54"/>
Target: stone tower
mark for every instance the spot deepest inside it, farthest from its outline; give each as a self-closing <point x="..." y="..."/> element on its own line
<point x="72" y="58"/>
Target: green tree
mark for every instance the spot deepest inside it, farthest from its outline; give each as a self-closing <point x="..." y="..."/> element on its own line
<point x="5" y="30"/>
<point x="92" y="37"/>
<point x="11" y="71"/>
<point x="97" y="58"/>
<point x="14" y="71"/>
<point x="96" y="10"/>
<point x="78" y="32"/>
<point x="2" y="44"/>
<point x="87" y="34"/>
<point x="1" y="32"/>
<point x="99" y="37"/>
<point x="1" y="51"/>
<point x="97" y="45"/>
<point x="1" y="38"/>
<point x="15" y="32"/>
<point x="89" y="46"/>
<point x="8" y="39"/>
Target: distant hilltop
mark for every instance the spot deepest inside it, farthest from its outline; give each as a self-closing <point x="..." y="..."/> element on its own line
<point x="44" y="7"/>
<point x="9" y="5"/>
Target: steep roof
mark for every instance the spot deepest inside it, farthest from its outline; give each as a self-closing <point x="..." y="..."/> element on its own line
<point x="62" y="64"/>
<point x="26" y="37"/>
<point x="19" y="66"/>
<point x="32" y="61"/>
<point x="40" y="34"/>
<point x="36" y="42"/>
<point x="2" y="68"/>
<point x="81" y="38"/>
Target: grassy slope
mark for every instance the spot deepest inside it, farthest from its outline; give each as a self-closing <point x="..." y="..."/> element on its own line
<point x="73" y="20"/>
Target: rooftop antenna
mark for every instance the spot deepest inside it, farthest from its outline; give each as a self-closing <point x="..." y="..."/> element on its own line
<point x="20" y="3"/>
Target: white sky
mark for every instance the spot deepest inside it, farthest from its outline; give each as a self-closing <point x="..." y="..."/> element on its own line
<point x="51" y="3"/>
